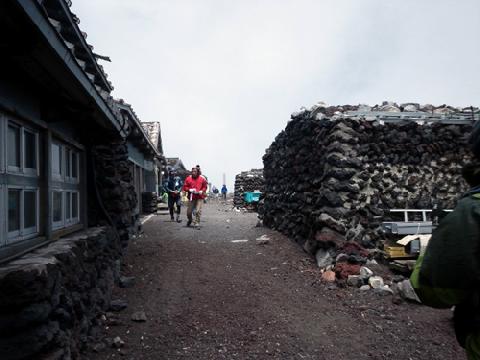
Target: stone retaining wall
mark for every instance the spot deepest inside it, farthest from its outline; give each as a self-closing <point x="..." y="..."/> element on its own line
<point x="51" y="297"/>
<point x="333" y="179"/>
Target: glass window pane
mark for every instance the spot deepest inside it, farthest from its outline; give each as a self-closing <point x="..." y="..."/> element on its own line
<point x="56" y="159"/>
<point x="74" y="205"/>
<point x="29" y="209"/>
<point x="30" y="148"/>
<point x="74" y="164"/>
<point x="68" y="154"/>
<point x="13" y="146"/>
<point x="68" y="204"/>
<point x="57" y="206"/>
<point x="13" y="210"/>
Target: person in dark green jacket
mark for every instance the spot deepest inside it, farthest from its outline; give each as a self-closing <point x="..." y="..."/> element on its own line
<point x="448" y="274"/>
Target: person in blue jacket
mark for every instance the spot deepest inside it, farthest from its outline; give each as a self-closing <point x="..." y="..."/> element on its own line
<point x="173" y="187"/>
<point x="224" y="192"/>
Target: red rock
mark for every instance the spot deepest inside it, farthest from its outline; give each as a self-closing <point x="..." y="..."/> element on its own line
<point x="328" y="276"/>
<point x="352" y="248"/>
<point x="329" y="237"/>
<point x="343" y="270"/>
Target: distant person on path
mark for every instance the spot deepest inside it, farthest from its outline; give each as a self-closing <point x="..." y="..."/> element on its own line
<point x="215" y="191"/>
<point x="224" y="192"/>
<point x="448" y="273"/>
<point x="174" y="187"/>
<point x="196" y="187"/>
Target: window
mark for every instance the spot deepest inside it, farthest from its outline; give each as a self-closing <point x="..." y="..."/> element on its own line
<point x="14" y="211"/>
<point x="71" y="164"/>
<point x="68" y="206"/>
<point x="68" y="162"/>
<point x="22" y="213"/>
<point x="65" y="210"/>
<point x="30" y="210"/>
<point x="71" y="207"/>
<point x="13" y="147"/>
<point x="64" y="163"/>
<point x="75" y="203"/>
<point x="56" y="160"/>
<point x="22" y="150"/>
<point x="74" y="165"/>
<point x="30" y="150"/>
<point x="65" y="197"/>
<point x="57" y="209"/>
<point x="20" y="192"/>
<point x="23" y="185"/>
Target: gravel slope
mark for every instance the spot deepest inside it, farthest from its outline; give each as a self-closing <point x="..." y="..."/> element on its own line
<point x="206" y="297"/>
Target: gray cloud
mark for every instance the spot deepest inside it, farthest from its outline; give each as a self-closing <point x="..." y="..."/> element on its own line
<point x="222" y="77"/>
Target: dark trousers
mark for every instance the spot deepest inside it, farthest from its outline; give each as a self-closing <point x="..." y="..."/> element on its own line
<point x="172" y="201"/>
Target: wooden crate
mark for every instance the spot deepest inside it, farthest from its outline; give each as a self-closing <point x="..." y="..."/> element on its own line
<point x="398" y="252"/>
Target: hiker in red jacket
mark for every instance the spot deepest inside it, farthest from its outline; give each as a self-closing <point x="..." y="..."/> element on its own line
<point x="195" y="186"/>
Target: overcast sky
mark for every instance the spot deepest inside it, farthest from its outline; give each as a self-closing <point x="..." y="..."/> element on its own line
<point x="223" y="77"/>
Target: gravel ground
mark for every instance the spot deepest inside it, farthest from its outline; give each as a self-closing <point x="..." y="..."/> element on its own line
<point x="207" y="297"/>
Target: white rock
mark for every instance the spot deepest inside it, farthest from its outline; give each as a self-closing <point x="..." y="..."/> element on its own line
<point x="443" y="110"/>
<point x="406" y="291"/>
<point x="365" y="272"/>
<point x="118" y="342"/>
<point x="263" y="240"/>
<point x="410" y="107"/>
<point x="383" y="290"/>
<point x="324" y="258"/>
<point x="389" y="108"/>
<point x="365" y="287"/>
<point x="364" y="107"/>
<point x="375" y="282"/>
<point x="354" y="280"/>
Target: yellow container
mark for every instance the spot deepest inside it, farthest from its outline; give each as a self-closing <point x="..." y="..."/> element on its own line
<point x="398" y="252"/>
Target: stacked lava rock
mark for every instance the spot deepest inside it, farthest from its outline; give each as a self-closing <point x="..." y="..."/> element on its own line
<point x="114" y="181"/>
<point x="149" y="202"/>
<point x="330" y="177"/>
<point x="247" y="181"/>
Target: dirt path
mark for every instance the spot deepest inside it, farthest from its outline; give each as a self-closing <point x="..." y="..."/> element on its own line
<point x="206" y="297"/>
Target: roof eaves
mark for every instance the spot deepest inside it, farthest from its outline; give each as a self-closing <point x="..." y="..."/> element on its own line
<point x="74" y="20"/>
<point x="127" y="107"/>
<point x="39" y="18"/>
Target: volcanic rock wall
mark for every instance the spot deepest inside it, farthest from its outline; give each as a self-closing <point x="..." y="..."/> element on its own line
<point x="114" y="182"/>
<point x="149" y="202"/>
<point x="332" y="180"/>
<point x="247" y="181"/>
<point x="51" y="298"/>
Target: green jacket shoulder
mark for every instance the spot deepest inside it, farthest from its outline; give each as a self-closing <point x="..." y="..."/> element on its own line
<point x="450" y="267"/>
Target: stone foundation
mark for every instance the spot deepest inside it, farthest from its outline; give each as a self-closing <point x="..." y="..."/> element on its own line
<point x="51" y="297"/>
